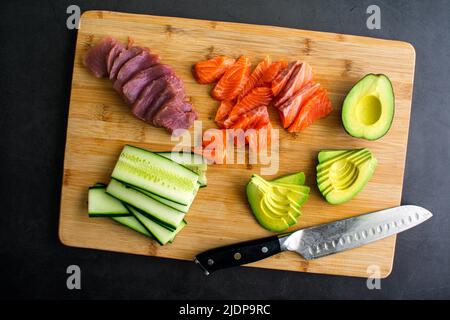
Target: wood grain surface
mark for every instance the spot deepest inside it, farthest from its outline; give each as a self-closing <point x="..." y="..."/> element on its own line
<point x="100" y="124"/>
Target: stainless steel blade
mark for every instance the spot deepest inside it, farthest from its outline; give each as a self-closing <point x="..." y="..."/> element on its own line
<point x="329" y="238"/>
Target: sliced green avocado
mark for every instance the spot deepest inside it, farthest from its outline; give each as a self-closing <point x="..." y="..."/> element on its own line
<point x="342" y="174"/>
<point x="276" y="204"/>
<point x="368" y="108"/>
<point x="294" y="178"/>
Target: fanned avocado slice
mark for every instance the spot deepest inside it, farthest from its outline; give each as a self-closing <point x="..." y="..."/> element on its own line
<point x="276" y="203"/>
<point x="342" y="174"/>
<point x="294" y="178"/>
<point x="368" y="108"/>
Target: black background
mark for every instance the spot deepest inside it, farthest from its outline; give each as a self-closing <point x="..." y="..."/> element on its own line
<point x="35" y="73"/>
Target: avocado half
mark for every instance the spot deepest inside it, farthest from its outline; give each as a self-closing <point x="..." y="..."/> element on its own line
<point x="276" y="204"/>
<point x="342" y="174"/>
<point x="368" y="108"/>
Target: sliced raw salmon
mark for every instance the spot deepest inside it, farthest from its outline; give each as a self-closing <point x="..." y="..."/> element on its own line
<point x="215" y="151"/>
<point x="258" y="116"/>
<point x="254" y="78"/>
<point x="282" y="78"/>
<point x="210" y="71"/>
<point x="260" y="96"/>
<point x="271" y="73"/>
<point x="222" y="113"/>
<point x="290" y="108"/>
<point x="318" y="106"/>
<point x="233" y="80"/>
<point x="260" y="138"/>
<point x="301" y="75"/>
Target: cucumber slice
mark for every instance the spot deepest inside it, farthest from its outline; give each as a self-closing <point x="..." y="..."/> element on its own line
<point x="161" y="234"/>
<point x="156" y="174"/>
<point x="101" y="204"/>
<point x="155" y="210"/>
<point x="177" y="206"/>
<point x="191" y="161"/>
<point x="132" y="223"/>
<point x="186" y="158"/>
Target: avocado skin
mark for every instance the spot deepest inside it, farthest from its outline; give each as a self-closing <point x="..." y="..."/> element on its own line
<point x="393" y="111"/>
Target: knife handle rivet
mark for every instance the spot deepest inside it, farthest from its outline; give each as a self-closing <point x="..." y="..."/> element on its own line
<point x="237" y="256"/>
<point x="210" y="262"/>
<point x="264" y="249"/>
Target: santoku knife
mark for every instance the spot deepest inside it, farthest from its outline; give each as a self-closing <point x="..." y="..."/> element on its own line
<point x="317" y="241"/>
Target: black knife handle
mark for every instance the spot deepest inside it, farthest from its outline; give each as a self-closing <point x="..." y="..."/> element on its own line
<point x="238" y="254"/>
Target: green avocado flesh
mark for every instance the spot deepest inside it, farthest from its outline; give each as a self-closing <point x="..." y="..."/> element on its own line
<point x="342" y="174"/>
<point x="368" y="108"/>
<point x="276" y="204"/>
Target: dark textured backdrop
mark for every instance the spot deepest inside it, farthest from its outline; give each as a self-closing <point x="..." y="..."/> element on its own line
<point x="35" y="73"/>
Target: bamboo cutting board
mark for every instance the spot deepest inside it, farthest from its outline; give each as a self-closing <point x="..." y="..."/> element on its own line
<point x="100" y="124"/>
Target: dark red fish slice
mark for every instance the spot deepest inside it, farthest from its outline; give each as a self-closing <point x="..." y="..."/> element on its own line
<point x="134" y="86"/>
<point x="113" y="54"/>
<point x="121" y="58"/>
<point x="95" y="58"/>
<point x="147" y="96"/>
<point x="130" y="68"/>
<point x="175" y="114"/>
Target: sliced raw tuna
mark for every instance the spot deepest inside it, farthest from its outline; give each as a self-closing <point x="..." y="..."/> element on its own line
<point x="301" y="75"/>
<point x="130" y="68"/>
<point x="121" y="58"/>
<point x="290" y="108"/>
<point x="282" y="78"/>
<point x="149" y="87"/>
<point x="134" y="86"/>
<point x="113" y="54"/>
<point x="173" y="89"/>
<point x="147" y="96"/>
<point x="95" y="58"/>
<point x="173" y="115"/>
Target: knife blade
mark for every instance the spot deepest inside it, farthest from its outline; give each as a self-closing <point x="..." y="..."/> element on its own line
<point x="317" y="241"/>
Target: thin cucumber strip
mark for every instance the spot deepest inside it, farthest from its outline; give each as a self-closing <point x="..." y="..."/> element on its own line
<point x="177" y="206"/>
<point x="132" y="223"/>
<point x="161" y="234"/>
<point x="101" y="204"/>
<point x="166" y="215"/>
<point x="186" y="158"/>
<point x="191" y="161"/>
<point x="156" y="174"/>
